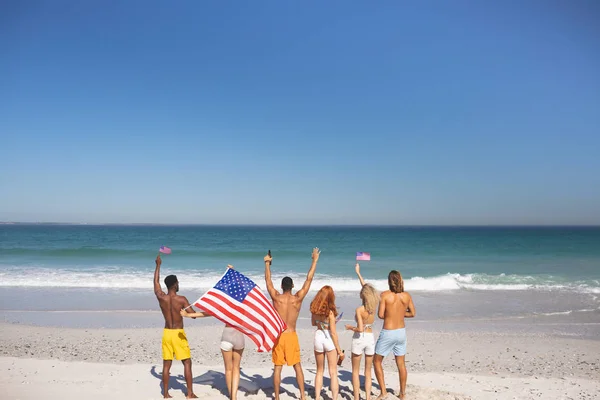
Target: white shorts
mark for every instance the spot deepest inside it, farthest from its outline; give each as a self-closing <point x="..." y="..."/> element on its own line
<point x="363" y="342"/>
<point x="232" y="339"/>
<point x="323" y="342"/>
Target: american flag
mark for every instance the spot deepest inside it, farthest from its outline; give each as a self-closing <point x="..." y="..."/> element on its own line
<point x="360" y="256"/>
<point x="165" y="250"/>
<point x="239" y="302"/>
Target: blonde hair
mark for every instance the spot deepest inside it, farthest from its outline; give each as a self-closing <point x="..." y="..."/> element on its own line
<point x="396" y="282"/>
<point x="369" y="298"/>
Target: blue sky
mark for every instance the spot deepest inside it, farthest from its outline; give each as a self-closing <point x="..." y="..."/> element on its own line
<point x="285" y="112"/>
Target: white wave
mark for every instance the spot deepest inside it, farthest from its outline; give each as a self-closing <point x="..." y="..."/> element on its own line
<point x="556" y="313"/>
<point x="116" y="278"/>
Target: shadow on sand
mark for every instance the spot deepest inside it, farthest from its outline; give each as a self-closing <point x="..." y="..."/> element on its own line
<point x="253" y="384"/>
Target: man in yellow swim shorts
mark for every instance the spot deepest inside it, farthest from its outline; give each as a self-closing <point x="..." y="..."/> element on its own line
<point x="174" y="341"/>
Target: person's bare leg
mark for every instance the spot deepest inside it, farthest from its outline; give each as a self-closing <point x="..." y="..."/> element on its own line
<point x="377" y="362"/>
<point x="332" y="359"/>
<point x="277" y="379"/>
<point x="165" y="378"/>
<point x="299" y="379"/>
<point x="228" y="362"/>
<point x="368" y="377"/>
<point x="235" y="379"/>
<point x="320" y="359"/>
<point x="187" y="373"/>
<point x="356" y="375"/>
<point x="403" y="374"/>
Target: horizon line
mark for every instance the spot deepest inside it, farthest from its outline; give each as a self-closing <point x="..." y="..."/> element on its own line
<point x="4" y="223"/>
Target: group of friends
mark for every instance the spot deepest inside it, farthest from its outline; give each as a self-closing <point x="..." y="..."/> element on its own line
<point x="392" y="306"/>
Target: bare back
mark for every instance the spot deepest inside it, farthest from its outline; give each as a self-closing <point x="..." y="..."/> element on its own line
<point x="393" y="306"/>
<point x="171" y="305"/>
<point x="368" y="319"/>
<point x="288" y="306"/>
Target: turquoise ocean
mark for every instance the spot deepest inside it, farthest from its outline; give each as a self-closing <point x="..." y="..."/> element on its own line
<point x="431" y="259"/>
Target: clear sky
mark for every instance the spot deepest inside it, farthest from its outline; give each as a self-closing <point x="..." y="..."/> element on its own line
<point x="294" y="112"/>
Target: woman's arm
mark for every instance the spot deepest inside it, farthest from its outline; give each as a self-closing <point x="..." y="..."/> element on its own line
<point x="360" y="326"/>
<point x="360" y="278"/>
<point x="194" y="314"/>
<point x="334" y="336"/>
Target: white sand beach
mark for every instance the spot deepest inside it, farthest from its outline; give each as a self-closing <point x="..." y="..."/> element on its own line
<point x="67" y="363"/>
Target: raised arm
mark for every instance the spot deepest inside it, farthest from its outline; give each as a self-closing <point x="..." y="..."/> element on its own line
<point x="360" y="278"/>
<point x="311" y="273"/>
<point x="270" y="288"/>
<point x="411" y="312"/>
<point x="157" y="289"/>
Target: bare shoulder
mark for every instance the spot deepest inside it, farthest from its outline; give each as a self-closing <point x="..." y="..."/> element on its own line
<point x="385" y="295"/>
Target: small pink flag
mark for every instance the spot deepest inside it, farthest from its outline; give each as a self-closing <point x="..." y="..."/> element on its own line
<point x="360" y="256"/>
<point x="164" y="250"/>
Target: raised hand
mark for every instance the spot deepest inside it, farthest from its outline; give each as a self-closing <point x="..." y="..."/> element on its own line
<point x="230" y="266"/>
<point x="158" y="261"/>
<point x="268" y="259"/>
<point x="357" y="268"/>
<point x="315" y="254"/>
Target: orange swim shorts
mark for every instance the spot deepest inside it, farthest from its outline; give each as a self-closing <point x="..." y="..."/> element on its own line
<point x="286" y="349"/>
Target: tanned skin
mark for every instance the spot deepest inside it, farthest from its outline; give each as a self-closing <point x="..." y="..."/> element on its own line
<point x="171" y="304"/>
<point x="393" y="308"/>
<point x="288" y="306"/>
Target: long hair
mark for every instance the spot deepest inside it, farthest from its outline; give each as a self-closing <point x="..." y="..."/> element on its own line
<point x="324" y="302"/>
<point x="369" y="298"/>
<point x="396" y="282"/>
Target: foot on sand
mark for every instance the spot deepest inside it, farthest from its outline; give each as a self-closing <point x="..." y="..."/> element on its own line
<point x="167" y="396"/>
<point x="381" y="396"/>
<point x="191" y="396"/>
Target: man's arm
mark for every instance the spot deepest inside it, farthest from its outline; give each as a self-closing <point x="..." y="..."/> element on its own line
<point x="157" y="289"/>
<point x="187" y="307"/>
<point x="311" y="273"/>
<point x="381" y="312"/>
<point x="360" y="278"/>
<point x="411" y="312"/>
<point x="270" y="288"/>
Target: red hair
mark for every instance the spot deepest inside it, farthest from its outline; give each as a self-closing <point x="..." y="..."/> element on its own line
<point x="324" y="302"/>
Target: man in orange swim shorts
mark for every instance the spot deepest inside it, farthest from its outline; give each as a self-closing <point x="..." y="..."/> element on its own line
<point x="287" y="347"/>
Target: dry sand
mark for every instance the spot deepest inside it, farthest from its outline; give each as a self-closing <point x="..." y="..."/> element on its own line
<point x="49" y="363"/>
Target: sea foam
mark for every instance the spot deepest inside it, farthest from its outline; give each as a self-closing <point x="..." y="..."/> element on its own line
<point x="117" y="278"/>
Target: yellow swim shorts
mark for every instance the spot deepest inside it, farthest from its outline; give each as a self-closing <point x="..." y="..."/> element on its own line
<point x="175" y="342"/>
